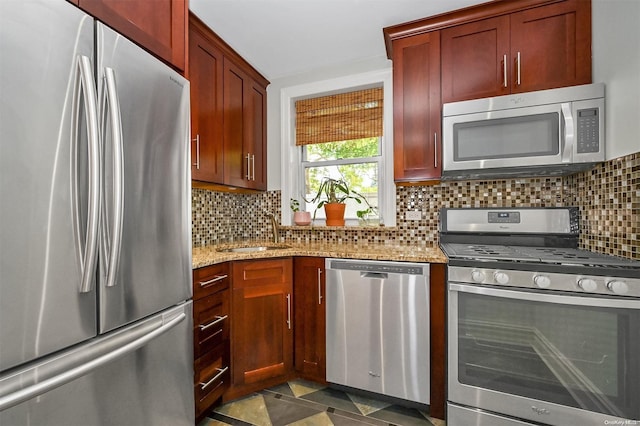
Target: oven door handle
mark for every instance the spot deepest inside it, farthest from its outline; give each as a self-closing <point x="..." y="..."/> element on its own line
<point x="605" y="302"/>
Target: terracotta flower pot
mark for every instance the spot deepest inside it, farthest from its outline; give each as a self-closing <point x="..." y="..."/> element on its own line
<point x="334" y="213"/>
<point x="302" y="218"/>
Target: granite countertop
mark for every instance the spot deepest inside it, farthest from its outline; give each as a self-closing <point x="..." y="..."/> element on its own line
<point x="209" y="255"/>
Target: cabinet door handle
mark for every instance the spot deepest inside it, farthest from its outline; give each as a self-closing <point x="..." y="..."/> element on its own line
<point x="435" y="150"/>
<point x="289" y="310"/>
<point x="214" y="280"/>
<point x="248" y="175"/>
<point x="518" y="62"/>
<point x="197" y="141"/>
<point x="221" y="371"/>
<point x="218" y="320"/>
<point x="319" y="286"/>
<point x="504" y="71"/>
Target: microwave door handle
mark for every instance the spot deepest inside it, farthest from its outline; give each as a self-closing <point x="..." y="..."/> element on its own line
<point x="567" y="134"/>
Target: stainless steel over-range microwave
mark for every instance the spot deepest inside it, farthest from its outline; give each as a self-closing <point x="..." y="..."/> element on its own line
<point x="549" y="132"/>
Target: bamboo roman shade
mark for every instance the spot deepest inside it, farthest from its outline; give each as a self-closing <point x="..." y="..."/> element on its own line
<point x="341" y="117"/>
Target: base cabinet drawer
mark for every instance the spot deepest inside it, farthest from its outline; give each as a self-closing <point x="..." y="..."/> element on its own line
<point x="210" y="279"/>
<point x="211" y="330"/>
<point x="212" y="377"/>
<point x="211" y="322"/>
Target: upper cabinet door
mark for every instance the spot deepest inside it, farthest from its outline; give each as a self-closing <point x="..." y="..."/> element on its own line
<point x="205" y="74"/>
<point x="416" y="108"/>
<point x="237" y="161"/>
<point x="245" y="106"/>
<point x="535" y="49"/>
<point x="475" y="60"/>
<point x="551" y="46"/>
<point x="159" y="25"/>
<point x="256" y="135"/>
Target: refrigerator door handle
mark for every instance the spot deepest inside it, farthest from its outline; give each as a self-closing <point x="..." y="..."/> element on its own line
<point x="18" y="389"/>
<point x="86" y="245"/>
<point x="112" y="238"/>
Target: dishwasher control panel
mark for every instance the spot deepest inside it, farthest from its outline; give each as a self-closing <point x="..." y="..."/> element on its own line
<point x="370" y="266"/>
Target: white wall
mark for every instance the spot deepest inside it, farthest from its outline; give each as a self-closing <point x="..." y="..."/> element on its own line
<point x="616" y="62"/>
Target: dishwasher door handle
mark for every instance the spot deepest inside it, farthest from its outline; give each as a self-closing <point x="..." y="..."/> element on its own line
<point x="378" y="275"/>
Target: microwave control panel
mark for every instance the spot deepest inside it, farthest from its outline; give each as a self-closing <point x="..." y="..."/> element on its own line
<point x="588" y="131"/>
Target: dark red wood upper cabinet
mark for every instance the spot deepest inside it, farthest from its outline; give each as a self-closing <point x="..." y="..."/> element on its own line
<point x="553" y="44"/>
<point x="534" y="49"/>
<point x="475" y="60"/>
<point x="245" y="136"/>
<point x="160" y="26"/>
<point x="237" y="161"/>
<point x="205" y="74"/>
<point x="417" y="108"/>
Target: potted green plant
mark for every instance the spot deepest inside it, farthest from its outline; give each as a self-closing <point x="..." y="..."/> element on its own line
<point x="332" y="195"/>
<point x="300" y="217"/>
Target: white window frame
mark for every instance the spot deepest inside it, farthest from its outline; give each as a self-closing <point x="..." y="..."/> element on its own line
<point x="291" y="155"/>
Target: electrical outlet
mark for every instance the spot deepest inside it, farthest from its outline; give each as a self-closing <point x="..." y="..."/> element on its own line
<point x="414" y="215"/>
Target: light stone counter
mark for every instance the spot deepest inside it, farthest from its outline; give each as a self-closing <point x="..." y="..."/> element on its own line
<point x="209" y="255"/>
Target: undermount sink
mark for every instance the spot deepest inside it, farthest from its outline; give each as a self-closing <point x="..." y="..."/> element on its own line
<point x="253" y="248"/>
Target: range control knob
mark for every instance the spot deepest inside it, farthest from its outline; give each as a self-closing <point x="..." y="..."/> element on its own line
<point x="542" y="281"/>
<point x="587" y="284"/>
<point x="501" y="277"/>
<point x="618" y="287"/>
<point x="477" y="276"/>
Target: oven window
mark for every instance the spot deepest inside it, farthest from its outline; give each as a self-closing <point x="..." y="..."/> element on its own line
<point x="528" y="136"/>
<point x="577" y="356"/>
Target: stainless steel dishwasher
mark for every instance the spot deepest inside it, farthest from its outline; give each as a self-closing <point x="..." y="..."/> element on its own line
<point x="378" y="327"/>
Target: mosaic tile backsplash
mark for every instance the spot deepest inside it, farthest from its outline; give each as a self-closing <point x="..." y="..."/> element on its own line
<point x="608" y="197"/>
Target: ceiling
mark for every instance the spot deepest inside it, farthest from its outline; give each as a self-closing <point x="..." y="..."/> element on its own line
<point x="281" y="38"/>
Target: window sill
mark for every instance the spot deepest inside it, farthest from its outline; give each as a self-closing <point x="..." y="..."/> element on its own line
<point x="348" y="227"/>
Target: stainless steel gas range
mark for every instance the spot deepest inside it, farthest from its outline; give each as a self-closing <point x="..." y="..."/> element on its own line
<point x="539" y="331"/>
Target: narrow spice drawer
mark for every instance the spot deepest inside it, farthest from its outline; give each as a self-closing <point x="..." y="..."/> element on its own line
<point x="210" y="322"/>
<point x="212" y="377"/>
<point x="210" y="279"/>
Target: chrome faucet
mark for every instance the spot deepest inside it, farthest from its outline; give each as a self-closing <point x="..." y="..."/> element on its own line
<point x="274" y="227"/>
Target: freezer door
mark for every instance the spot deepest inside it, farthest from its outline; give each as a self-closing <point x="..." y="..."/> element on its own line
<point x="146" y="220"/>
<point x="139" y="375"/>
<point x="47" y="229"/>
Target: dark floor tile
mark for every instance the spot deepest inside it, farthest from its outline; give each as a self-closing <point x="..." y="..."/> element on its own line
<point x="332" y="398"/>
<point x="403" y="416"/>
<point x="226" y="419"/>
<point x="345" y="418"/>
<point x="283" y="389"/>
<point x="283" y="411"/>
<point x="303" y="402"/>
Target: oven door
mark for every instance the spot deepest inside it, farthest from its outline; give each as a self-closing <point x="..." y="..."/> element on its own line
<point x="551" y="358"/>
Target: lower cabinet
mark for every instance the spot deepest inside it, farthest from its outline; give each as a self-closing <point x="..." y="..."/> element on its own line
<point x="262" y="329"/>
<point x="210" y="336"/>
<point x="437" y="330"/>
<point x="310" y="318"/>
<point x="256" y="350"/>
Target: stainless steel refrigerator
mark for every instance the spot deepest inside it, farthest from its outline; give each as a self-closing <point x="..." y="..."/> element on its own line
<point x="95" y="225"/>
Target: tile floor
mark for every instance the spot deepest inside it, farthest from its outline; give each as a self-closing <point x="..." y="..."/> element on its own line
<point x="302" y="403"/>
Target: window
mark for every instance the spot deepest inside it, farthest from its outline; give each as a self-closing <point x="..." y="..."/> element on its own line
<point x="358" y="162"/>
<point x="340" y="137"/>
<point x="369" y="159"/>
